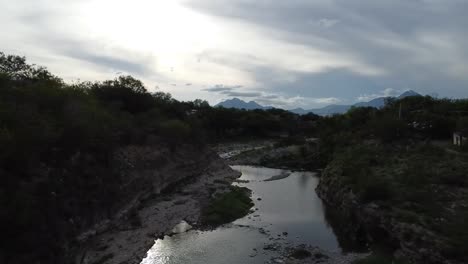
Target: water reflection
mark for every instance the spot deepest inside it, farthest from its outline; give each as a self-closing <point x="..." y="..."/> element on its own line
<point x="286" y="205"/>
<point x="303" y="179"/>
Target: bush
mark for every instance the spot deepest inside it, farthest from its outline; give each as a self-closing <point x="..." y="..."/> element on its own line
<point x="375" y="189"/>
<point x="378" y="258"/>
<point x="175" y="131"/>
<point x="228" y="207"/>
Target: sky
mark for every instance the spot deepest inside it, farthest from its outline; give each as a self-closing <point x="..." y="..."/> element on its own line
<point x="294" y="53"/>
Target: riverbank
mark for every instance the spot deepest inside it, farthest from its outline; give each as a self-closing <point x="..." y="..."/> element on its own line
<point x="128" y="239"/>
<point x="307" y="254"/>
<point x="276" y="229"/>
<point x="411" y="200"/>
<point x="278" y="154"/>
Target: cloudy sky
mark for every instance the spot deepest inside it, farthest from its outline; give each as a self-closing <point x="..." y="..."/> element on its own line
<point x="294" y="53"/>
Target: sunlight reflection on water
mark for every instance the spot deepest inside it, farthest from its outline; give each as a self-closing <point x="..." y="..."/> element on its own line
<point x="286" y="205"/>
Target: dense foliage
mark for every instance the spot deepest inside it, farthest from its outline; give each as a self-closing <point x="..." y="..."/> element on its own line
<point x="57" y="145"/>
<point x="405" y="121"/>
<point x="401" y="158"/>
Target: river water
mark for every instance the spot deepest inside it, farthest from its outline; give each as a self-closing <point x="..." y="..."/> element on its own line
<point x="288" y="211"/>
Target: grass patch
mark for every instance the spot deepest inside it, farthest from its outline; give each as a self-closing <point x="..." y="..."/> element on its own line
<point x="228" y="207"/>
<point x="377" y="258"/>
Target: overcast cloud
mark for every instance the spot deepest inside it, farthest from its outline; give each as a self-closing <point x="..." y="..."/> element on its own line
<point x="293" y="53"/>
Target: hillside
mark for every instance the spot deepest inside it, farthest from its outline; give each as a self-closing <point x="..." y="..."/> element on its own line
<point x="239" y="104"/>
<point x="324" y="111"/>
<point x="393" y="174"/>
<point x="75" y="155"/>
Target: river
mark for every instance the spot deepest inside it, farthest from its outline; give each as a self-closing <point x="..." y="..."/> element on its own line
<point x="287" y="212"/>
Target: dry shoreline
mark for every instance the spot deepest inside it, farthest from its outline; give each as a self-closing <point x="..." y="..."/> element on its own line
<point x="127" y="242"/>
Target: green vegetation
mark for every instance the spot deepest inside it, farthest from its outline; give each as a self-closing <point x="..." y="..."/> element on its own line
<point x="228" y="206"/>
<point x="420" y="184"/>
<point x="58" y="143"/>
<point x="376" y="258"/>
<point x="295" y="157"/>
<point x="59" y="173"/>
<point x="400" y="158"/>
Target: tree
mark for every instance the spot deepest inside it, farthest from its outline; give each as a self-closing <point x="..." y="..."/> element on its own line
<point x="198" y="104"/>
<point x="16" y="68"/>
<point x="125" y="93"/>
<point x="175" y="131"/>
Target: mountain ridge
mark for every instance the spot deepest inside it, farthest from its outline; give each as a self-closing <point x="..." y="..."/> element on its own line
<point x="378" y="102"/>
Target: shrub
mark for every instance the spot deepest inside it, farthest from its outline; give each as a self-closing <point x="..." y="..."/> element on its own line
<point x="375" y="189"/>
<point x="228" y="207"/>
<point x="378" y="258"/>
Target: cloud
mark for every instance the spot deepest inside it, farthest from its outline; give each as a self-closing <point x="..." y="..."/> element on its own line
<point x="222" y="88"/>
<point x="328" y="100"/>
<point x="283" y="52"/>
<point x="113" y="63"/>
<point x="290" y="102"/>
<point x="232" y="91"/>
<point x="327" y="23"/>
<point x="389" y="92"/>
<point x="424" y="47"/>
<point x="241" y="94"/>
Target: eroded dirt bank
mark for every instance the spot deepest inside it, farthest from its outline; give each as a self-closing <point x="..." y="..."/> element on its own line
<point x="164" y="192"/>
<point x="172" y="188"/>
<point x="378" y="224"/>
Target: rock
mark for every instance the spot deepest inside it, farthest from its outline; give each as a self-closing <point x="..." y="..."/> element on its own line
<point x="301" y="254"/>
<point x="181" y="227"/>
<point x="271" y="247"/>
<point x="285" y="233"/>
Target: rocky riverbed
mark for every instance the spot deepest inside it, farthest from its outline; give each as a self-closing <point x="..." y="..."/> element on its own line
<point x="307" y="254"/>
<point x="272" y="154"/>
<point x="128" y="239"/>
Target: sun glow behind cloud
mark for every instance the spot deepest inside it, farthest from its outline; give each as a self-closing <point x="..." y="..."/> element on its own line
<point x="164" y="28"/>
<point x="286" y="50"/>
<point x="192" y="47"/>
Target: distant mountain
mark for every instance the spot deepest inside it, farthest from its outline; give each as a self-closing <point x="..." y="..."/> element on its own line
<point x="240" y="104"/>
<point x="408" y="94"/>
<point x="341" y="109"/>
<point x="377" y="103"/>
<point x="299" y="111"/>
<point x="327" y="110"/>
<point x="330" y="110"/>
